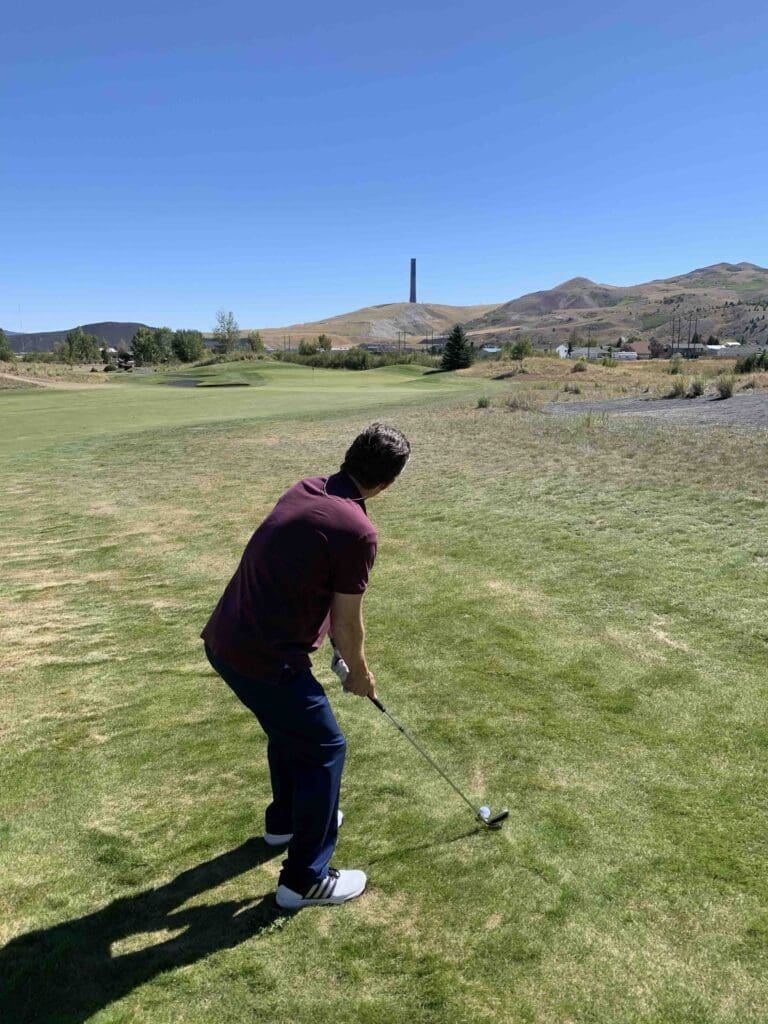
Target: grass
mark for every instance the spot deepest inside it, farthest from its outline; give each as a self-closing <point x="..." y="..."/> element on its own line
<point x="574" y="627"/>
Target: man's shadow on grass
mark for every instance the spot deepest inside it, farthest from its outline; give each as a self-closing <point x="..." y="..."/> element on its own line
<point x="66" y="973"/>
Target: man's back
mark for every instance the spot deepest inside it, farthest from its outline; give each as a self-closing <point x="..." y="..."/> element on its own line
<point x="317" y="541"/>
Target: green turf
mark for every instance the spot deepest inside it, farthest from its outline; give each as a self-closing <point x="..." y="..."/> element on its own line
<point x="571" y="614"/>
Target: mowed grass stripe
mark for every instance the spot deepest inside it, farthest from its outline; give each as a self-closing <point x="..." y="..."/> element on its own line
<point x="542" y="616"/>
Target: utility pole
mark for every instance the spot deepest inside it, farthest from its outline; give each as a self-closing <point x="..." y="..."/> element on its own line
<point x="413" y="281"/>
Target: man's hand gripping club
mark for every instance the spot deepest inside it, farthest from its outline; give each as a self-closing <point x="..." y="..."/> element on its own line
<point x="347" y="638"/>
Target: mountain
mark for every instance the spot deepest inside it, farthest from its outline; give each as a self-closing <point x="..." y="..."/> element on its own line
<point x="379" y="323"/>
<point x="111" y="333"/>
<point x="729" y="300"/>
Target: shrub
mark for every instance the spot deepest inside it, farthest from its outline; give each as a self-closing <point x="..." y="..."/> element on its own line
<point x="109" y="368"/>
<point x="572" y="389"/>
<point x="695" y="388"/>
<point x="725" y="385"/>
<point x="754" y="361"/>
<point x="580" y="366"/>
<point x="483" y="402"/>
<point x="675" y="365"/>
<point x="678" y="389"/>
<point x="609" y="361"/>
<point x="749" y="384"/>
<point x="523" y="402"/>
<point x="357" y="359"/>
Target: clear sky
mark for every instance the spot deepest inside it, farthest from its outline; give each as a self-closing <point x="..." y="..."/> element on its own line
<point x="162" y="160"/>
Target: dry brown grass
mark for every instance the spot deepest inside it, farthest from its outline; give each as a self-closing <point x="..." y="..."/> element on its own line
<point x="627" y="380"/>
<point x="53" y="375"/>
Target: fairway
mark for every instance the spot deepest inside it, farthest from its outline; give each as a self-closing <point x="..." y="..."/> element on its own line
<point x="569" y="612"/>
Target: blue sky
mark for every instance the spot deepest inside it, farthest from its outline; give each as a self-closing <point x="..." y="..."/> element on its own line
<point x="167" y="160"/>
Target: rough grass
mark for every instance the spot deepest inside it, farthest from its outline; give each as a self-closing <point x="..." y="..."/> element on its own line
<point x="570" y="614"/>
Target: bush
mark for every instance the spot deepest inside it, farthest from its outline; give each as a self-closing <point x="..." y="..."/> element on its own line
<point x="678" y="389"/>
<point x="695" y="388"/>
<point x="523" y="402"/>
<point x="725" y="385"/>
<point x="572" y="389"/>
<point x="749" y="384"/>
<point x="609" y="361"/>
<point x="675" y="365"/>
<point x="187" y="346"/>
<point x="483" y="402"/>
<point x="580" y="366"/>
<point x="754" y="361"/>
<point x="521" y="348"/>
<point x="357" y="359"/>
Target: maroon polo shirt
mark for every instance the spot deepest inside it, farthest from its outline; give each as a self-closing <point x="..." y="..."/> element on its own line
<point x="317" y="541"/>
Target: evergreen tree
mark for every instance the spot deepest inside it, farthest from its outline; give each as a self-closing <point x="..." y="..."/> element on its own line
<point x="458" y="352"/>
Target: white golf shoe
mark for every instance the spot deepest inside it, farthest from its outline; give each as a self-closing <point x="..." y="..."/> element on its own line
<point x="337" y="887"/>
<point x="273" y="839"/>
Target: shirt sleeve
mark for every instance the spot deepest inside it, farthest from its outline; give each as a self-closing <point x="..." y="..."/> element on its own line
<point x="352" y="567"/>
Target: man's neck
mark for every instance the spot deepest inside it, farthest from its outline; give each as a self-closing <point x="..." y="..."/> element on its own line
<point x="365" y="492"/>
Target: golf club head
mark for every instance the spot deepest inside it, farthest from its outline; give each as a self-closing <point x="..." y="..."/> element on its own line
<point x="496" y="820"/>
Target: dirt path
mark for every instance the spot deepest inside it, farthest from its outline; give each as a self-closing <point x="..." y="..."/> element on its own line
<point x="40" y="383"/>
<point x="748" y="410"/>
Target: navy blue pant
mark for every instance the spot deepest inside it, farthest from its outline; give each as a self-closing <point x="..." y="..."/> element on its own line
<point x="306" y="751"/>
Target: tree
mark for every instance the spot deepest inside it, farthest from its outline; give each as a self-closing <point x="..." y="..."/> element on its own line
<point x="255" y="341"/>
<point x="6" y="352"/>
<point x="323" y="343"/>
<point x="152" y="346"/>
<point x="522" y="347"/>
<point x="226" y="333"/>
<point x="307" y="348"/>
<point x="187" y="346"/>
<point x="458" y="352"/>
<point x="80" y="347"/>
<point x="655" y="348"/>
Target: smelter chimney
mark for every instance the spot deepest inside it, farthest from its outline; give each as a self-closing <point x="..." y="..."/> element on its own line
<point x="413" y="281"/>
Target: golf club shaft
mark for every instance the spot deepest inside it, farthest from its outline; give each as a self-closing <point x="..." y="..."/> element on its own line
<point x="424" y="754"/>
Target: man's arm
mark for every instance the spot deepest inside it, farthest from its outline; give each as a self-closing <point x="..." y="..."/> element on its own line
<point x="348" y="632"/>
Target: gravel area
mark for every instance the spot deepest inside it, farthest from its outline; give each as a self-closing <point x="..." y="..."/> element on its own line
<point x="745" y="410"/>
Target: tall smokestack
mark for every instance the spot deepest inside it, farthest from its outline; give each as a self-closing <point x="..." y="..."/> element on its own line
<point x="413" y="281"/>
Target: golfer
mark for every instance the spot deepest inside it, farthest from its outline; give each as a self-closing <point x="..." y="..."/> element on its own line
<point x="305" y="571"/>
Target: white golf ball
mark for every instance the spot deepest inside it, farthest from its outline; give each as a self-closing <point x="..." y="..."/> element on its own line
<point x="485" y="812"/>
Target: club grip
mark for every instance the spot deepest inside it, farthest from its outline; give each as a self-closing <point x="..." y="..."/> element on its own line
<point x="377" y="702"/>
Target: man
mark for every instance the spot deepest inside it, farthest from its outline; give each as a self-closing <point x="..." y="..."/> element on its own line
<point x="305" y="570"/>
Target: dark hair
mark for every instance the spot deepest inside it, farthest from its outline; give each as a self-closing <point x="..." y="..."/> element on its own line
<point x="377" y="455"/>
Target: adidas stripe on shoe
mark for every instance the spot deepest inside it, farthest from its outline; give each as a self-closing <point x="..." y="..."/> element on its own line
<point x="274" y="839"/>
<point x="338" y="886"/>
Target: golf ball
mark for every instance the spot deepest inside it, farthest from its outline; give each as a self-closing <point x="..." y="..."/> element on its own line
<point x="485" y="812"/>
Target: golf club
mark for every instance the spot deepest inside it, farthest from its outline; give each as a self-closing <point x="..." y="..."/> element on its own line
<point x="483" y="814"/>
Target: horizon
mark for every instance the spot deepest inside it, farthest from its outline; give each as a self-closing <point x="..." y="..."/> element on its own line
<point x="287" y="165"/>
<point x="397" y="302"/>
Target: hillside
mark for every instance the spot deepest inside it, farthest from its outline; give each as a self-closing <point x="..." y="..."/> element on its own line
<point x="380" y="323"/>
<point x="112" y="333"/>
<point x="726" y="300"/>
